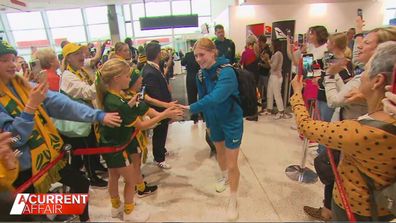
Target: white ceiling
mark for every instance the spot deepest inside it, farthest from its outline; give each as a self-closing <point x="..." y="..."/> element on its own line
<point x="260" y="2"/>
<point x="34" y="5"/>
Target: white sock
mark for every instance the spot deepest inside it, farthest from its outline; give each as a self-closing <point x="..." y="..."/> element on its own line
<point x="224" y="173"/>
<point x="233" y="199"/>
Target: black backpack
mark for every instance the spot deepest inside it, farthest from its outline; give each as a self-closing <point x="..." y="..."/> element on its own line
<point x="246" y="85"/>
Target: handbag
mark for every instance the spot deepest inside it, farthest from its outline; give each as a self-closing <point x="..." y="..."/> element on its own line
<point x="73" y="129"/>
<point x="383" y="197"/>
<point x="323" y="167"/>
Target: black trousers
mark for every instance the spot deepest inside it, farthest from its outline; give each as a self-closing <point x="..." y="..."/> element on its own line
<point x="89" y="161"/>
<point x="192" y="92"/>
<point x="159" y="140"/>
<point x="328" y="195"/>
<point x="77" y="182"/>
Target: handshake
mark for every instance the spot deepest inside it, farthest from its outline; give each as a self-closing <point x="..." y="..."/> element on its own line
<point x="173" y="110"/>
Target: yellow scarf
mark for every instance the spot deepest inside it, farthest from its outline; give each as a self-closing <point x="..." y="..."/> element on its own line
<point x="45" y="142"/>
<point x="140" y="136"/>
<point x="84" y="76"/>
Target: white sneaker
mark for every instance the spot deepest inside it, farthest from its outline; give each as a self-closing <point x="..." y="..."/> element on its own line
<point x="232" y="210"/>
<point x="117" y="212"/>
<point x="163" y="165"/>
<point x="221" y="184"/>
<point x="278" y="115"/>
<point x="137" y="215"/>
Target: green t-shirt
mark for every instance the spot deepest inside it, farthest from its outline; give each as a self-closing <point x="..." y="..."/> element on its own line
<point x="118" y="136"/>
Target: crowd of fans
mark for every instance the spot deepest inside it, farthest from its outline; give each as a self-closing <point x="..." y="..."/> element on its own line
<point x="94" y="98"/>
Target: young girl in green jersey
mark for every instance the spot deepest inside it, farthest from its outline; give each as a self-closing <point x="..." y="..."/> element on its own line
<point x="112" y="79"/>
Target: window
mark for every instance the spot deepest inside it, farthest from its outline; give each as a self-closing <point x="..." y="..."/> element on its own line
<point x="127" y="12"/>
<point x="62" y="18"/>
<point x="158" y="9"/>
<point x="128" y="29"/>
<point x="180" y="7"/>
<point x="96" y="15"/>
<point x="73" y="34"/>
<point x="137" y="11"/>
<point x="29" y="35"/>
<point x="203" y="20"/>
<point x="187" y="30"/>
<point x="25" y="20"/>
<point x="201" y="7"/>
<point x="99" y="32"/>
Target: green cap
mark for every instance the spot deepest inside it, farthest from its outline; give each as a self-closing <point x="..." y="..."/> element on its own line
<point x="6" y="48"/>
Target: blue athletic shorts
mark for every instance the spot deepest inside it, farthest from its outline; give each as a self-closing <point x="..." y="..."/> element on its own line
<point x="231" y="133"/>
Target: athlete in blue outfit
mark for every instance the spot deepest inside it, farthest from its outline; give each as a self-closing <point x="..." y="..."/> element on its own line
<point x="222" y="113"/>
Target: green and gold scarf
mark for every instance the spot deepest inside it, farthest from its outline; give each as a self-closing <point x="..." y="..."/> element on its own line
<point x="45" y="143"/>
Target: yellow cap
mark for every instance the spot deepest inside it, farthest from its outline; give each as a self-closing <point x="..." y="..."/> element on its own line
<point x="70" y="48"/>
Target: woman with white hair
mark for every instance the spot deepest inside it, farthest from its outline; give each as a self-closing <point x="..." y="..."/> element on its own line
<point x="367" y="144"/>
<point x="49" y="62"/>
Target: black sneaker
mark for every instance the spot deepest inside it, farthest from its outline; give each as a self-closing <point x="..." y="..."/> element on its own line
<point x="148" y="190"/>
<point x="98" y="182"/>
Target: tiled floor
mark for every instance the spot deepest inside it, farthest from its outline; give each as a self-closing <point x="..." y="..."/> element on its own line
<point x="186" y="192"/>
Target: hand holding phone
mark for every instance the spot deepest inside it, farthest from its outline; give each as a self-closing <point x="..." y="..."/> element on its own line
<point x="300" y="40"/>
<point x="360" y="13"/>
<point x="42" y="76"/>
<point x="308" y="65"/>
<point x="141" y="93"/>
<point x="35" y="66"/>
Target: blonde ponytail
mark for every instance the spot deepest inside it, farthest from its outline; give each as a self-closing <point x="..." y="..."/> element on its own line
<point x="105" y="74"/>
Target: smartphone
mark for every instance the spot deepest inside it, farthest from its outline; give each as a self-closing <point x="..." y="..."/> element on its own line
<point x="35" y="66"/>
<point x="307" y="65"/>
<point x="328" y="58"/>
<point x="42" y="76"/>
<point x="300" y="39"/>
<point x="24" y="67"/>
<point x="360" y="13"/>
<point x="290" y="36"/>
<point x="394" y="80"/>
<point x="141" y="93"/>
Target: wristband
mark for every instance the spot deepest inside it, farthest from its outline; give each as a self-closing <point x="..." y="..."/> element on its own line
<point x="357" y="35"/>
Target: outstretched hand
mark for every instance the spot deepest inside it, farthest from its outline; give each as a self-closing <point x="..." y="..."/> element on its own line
<point x="134" y="99"/>
<point x="112" y="119"/>
<point x="171" y="104"/>
<point x="297" y="84"/>
<point x="174" y="112"/>
<point x="7" y="156"/>
<point x="354" y="97"/>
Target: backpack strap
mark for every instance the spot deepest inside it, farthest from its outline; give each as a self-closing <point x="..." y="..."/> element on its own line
<point x="201" y="79"/>
<point x="389" y="128"/>
<point x="385" y="126"/>
<point x="233" y="97"/>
